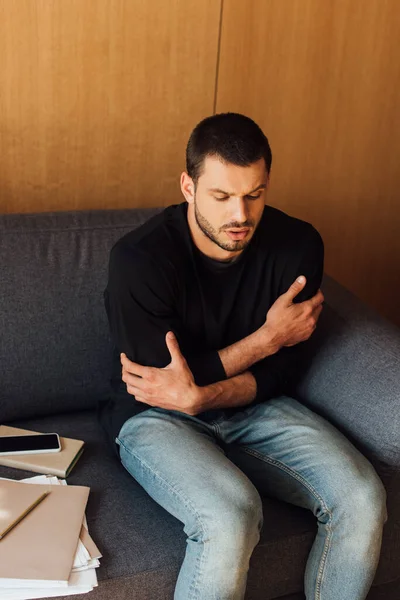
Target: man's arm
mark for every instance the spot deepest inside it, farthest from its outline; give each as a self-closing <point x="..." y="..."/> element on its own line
<point x="279" y="370"/>
<point x="245" y="388"/>
<point x="138" y="303"/>
<point x="279" y="373"/>
<point x="287" y="323"/>
<point x="140" y="306"/>
<point x="241" y="355"/>
<point x="239" y="390"/>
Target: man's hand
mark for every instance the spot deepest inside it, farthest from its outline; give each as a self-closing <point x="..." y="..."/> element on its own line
<point x="287" y="323"/>
<point x="172" y="387"/>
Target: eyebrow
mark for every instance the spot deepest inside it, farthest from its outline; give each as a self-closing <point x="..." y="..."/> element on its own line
<point x="218" y="191"/>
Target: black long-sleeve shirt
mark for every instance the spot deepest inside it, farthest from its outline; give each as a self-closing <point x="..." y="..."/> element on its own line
<point x="160" y="281"/>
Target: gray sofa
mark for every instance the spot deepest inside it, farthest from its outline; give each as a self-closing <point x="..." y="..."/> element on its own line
<point x="55" y="359"/>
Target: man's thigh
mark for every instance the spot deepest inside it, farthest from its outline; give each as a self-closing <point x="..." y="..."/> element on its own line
<point x="176" y="458"/>
<point x="290" y="452"/>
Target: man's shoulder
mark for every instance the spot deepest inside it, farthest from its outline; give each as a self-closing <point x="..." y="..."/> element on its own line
<point x="160" y="239"/>
<point x="294" y="247"/>
<point x="281" y="230"/>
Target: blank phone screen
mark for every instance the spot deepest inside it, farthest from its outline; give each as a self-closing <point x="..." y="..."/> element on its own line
<point x="21" y="443"/>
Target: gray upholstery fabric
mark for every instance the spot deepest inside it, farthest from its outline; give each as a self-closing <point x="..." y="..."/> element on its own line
<point x="55" y="357"/>
<point x="354" y="379"/>
<point x="54" y="343"/>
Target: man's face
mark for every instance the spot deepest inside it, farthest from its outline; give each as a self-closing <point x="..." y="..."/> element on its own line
<point x="227" y="205"/>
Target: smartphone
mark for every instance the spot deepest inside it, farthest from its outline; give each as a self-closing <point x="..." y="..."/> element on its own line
<point x="29" y="444"/>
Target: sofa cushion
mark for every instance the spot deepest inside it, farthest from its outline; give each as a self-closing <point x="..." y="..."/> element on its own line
<point x="55" y="352"/>
<point x="136" y="535"/>
<point x="353" y="378"/>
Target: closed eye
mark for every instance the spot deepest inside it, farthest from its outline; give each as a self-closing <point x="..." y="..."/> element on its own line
<point x="249" y="196"/>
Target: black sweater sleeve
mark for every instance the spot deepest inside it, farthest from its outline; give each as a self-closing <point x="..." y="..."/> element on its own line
<point x="278" y="373"/>
<point x="141" y="307"/>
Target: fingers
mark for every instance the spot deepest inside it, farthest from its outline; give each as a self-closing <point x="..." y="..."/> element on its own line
<point x="133" y="380"/>
<point x="296" y="288"/>
<point x="134" y="372"/>
<point x="134" y="391"/>
<point x="317" y="299"/>
<point x="139" y="395"/>
<point x="132" y="367"/>
<point x="318" y="311"/>
<point x="315" y="316"/>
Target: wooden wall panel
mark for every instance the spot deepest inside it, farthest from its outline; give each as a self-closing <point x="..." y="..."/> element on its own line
<point x="323" y="81"/>
<point x="97" y="99"/>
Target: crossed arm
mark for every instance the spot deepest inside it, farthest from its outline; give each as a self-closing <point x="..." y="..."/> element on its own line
<point x="253" y="369"/>
<point x="173" y="387"/>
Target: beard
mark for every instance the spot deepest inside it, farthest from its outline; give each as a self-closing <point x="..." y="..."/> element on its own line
<point x="216" y="236"/>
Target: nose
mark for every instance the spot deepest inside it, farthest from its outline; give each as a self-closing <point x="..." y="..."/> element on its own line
<point x="240" y="211"/>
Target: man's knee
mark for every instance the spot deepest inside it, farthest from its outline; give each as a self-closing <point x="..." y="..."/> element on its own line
<point x="243" y="514"/>
<point x="232" y="521"/>
<point x="363" y="505"/>
<point x="370" y="501"/>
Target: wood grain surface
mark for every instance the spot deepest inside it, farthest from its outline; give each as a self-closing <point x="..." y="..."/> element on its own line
<point x="98" y="98"/>
<point x="322" y="78"/>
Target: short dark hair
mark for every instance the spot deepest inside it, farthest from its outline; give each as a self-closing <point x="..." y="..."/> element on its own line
<point x="233" y="137"/>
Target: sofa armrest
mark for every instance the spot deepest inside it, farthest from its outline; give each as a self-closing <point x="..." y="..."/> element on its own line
<point x="352" y="374"/>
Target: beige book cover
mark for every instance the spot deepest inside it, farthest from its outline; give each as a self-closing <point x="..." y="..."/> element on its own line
<point x="53" y="463"/>
<point x="40" y="550"/>
<point x="11" y="512"/>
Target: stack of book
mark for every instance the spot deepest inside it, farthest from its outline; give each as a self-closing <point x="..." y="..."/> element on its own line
<point x="49" y="552"/>
<point x="45" y="546"/>
<point x="57" y="463"/>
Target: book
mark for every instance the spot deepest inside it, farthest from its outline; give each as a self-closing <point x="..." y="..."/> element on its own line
<point x="11" y="515"/>
<point x="83" y="576"/>
<point x="41" y="549"/>
<point x="56" y="463"/>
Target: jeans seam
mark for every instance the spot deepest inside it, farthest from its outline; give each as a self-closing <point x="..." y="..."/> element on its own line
<point x="313" y="491"/>
<point x="214" y="425"/>
<point x="177" y="492"/>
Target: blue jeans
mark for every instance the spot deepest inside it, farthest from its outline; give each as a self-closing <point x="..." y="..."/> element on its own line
<point x="282" y="449"/>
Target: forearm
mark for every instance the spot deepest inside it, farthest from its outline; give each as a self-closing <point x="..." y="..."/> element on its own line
<point x="239" y="390"/>
<point x="241" y="355"/>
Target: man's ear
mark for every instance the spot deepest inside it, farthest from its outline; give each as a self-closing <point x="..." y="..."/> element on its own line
<point x="187" y="187"/>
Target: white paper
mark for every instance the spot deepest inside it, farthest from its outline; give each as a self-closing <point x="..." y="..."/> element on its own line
<point x="78" y="583"/>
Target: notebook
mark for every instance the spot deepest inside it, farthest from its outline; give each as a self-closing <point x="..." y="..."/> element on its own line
<point x="10" y="512"/>
<point x="40" y="550"/>
<point x="56" y="463"/>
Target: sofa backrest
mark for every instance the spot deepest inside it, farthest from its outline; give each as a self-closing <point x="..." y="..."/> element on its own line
<point x="55" y="348"/>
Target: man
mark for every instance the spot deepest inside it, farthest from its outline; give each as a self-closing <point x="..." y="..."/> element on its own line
<point x="210" y="303"/>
